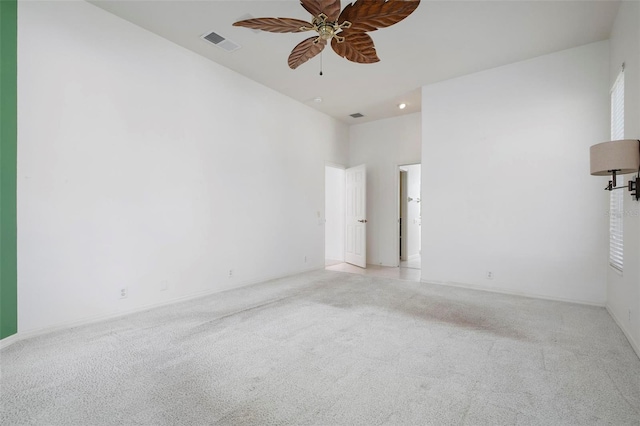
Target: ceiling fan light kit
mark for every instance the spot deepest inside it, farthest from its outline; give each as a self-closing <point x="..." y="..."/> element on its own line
<point x="346" y="30"/>
<point x="327" y="30"/>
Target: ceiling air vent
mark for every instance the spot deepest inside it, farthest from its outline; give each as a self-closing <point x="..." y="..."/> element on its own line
<point x="221" y="42"/>
<point x="356" y="115"/>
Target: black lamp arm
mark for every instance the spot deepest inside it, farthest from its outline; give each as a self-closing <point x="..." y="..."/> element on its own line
<point x="634" y="185"/>
<point x="613" y="182"/>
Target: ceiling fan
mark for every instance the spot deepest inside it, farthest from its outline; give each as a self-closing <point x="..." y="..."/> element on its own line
<point x="347" y="30"/>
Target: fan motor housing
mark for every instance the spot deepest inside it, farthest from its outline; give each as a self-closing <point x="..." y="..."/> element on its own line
<point x="326" y="31"/>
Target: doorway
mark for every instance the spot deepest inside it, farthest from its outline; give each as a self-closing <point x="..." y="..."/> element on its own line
<point x="409" y="216"/>
<point x="334" y="213"/>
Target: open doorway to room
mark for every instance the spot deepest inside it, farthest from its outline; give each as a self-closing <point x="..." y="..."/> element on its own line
<point x="409" y="216"/>
<point x="334" y="213"/>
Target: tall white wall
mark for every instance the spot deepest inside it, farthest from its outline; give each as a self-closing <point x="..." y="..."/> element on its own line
<point x="143" y="165"/>
<point x="505" y="173"/>
<point x="383" y="145"/>
<point x="335" y="199"/>
<point x="623" y="291"/>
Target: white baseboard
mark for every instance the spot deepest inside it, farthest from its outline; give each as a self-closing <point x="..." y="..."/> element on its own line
<point x="8" y="341"/>
<point x="632" y="342"/>
<point x="514" y="293"/>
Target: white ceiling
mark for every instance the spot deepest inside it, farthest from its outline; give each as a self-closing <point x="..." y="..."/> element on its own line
<point x="439" y="41"/>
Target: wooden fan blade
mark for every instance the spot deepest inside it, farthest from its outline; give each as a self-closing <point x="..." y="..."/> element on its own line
<point x="356" y="47"/>
<point x="275" y="25"/>
<point x="305" y="51"/>
<point x="369" y="15"/>
<point x="331" y="8"/>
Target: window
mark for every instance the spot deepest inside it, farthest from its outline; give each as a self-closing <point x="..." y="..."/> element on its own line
<point x="616" y="247"/>
<point x="617" y="108"/>
<point x="616" y="205"/>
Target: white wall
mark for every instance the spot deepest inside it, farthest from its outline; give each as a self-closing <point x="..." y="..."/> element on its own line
<point x="505" y="173"/>
<point x="623" y="292"/>
<point x="334" y="213"/>
<point x="413" y="210"/>
<point x="383" y="145"/>
<point x="143" y="165"/>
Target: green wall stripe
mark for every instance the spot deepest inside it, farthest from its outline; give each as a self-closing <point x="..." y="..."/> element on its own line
<point x="8" y="149"/>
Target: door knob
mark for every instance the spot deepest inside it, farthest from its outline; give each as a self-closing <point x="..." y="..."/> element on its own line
<point x="362" y="220"/>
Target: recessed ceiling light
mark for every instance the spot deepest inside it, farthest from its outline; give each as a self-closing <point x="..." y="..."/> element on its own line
<point x="318" y="99"/>
<point x="402" y="106"/>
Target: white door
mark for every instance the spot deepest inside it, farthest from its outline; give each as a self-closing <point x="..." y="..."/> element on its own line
<point x="356" y="216"/>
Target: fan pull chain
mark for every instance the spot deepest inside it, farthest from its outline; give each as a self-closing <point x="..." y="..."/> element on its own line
<point x="320" y="63"/>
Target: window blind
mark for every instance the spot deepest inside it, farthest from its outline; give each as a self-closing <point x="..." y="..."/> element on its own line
<point x="616" y="205"/>
<point x="617" y="108"/>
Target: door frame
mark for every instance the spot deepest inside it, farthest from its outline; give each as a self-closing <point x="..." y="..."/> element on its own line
<point x="403" y="181"/>
<point x="397" y="198"/>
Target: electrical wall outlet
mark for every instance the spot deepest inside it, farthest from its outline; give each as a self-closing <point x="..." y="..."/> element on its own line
<point x="489" y="275"/>
<point x="305" y="259"/>
<point x="164" y="285"/>
<point x="124" y="292"/>
<point x="230" y="273"/>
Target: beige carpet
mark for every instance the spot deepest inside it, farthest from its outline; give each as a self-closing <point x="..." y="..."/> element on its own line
<point x="331" y="348"/>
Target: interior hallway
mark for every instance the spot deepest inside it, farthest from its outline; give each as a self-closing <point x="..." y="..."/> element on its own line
<point x="399" y="273"/>
<point x="414" y="262"/>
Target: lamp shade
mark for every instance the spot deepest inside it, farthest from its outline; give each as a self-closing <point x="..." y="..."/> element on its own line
<point x="622" y="156"/>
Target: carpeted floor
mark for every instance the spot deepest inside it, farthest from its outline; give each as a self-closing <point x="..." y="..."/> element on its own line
<point x="331" y="348"/>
